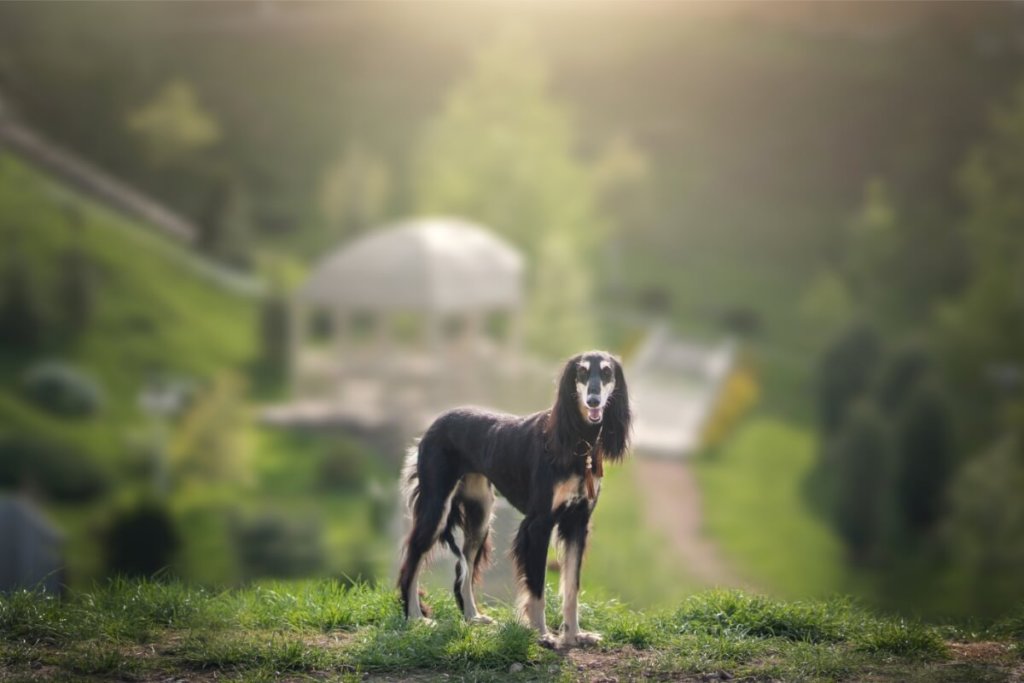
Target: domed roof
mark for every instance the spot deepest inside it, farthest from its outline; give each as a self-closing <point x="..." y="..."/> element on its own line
<point x="446" y="265"/>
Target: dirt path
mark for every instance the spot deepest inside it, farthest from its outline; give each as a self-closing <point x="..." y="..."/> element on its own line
<point x="672" y="506"/>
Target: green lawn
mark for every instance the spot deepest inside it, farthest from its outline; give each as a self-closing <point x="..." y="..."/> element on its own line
<point x="327" y="631"/>
<point x="757" y="513"/>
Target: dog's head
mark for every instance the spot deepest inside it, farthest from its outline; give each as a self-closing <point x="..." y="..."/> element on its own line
<point x="592" y="393"/>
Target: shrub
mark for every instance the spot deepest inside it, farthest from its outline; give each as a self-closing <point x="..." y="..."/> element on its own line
<point x="141" y="540"/>
<point x="62" y="389"/>
<point x="21" y="315"/>
<point x="58" y="469"/>
<point x="76" y="290"/>
<point x="343" y="467"/>
<point x="276" y="546"/>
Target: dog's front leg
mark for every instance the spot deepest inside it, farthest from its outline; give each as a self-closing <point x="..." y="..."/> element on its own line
<point x="531" y="555"/>
<point x="573" y="529"/>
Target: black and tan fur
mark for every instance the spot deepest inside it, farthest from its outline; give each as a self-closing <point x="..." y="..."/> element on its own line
<point x="537" y="463"/>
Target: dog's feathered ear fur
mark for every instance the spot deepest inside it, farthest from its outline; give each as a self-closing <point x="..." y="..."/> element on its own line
<point x="617" y="418"/>
<point x="566" y="424"/>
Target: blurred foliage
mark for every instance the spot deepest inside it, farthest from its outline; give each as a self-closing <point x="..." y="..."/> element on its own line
<point x="986" y="528"/>
<point x="277" y="545"/>
<point x="209" y="446"/>
<point x="862" y="455"/>
<point x="354" y="193"/>
<point x="826" y="306"/>
<point x="500" y="128"/>
<point x="21" y="314"/>
<point x="225" y="225"/>
<point x="926" y="457"/>
<point x="275" y="336"/>
<point x="173" y="126"/>
<point x="62" y="389"/>
<point x="55" y="469"/>
<point x="845" y="372"/>
<point x="737" y="395"/>
<point x="141" y="540"/>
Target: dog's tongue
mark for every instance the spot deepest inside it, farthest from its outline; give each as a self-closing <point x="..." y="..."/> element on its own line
<point x="594" y="414"/>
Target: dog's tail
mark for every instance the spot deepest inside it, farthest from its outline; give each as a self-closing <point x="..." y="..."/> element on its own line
<point x="410" y="480"/>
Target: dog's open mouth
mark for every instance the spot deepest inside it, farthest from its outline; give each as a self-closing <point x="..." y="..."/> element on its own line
<point x="594" y="414"/>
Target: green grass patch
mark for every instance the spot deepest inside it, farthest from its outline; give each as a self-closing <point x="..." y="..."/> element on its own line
<point x="757" y="513"/>
<point x="323" y="629"/>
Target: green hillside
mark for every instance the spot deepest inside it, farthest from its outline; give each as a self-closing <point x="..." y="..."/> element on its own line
<point x="153" y="312"/>
<point x="152" y="315"/>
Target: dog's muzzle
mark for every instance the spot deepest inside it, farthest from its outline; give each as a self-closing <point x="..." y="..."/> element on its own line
<point x="594" y="409"/>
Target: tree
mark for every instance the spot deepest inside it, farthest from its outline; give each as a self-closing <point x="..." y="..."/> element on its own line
<point x="899" y="375"/>
<point x="173" y="126"/>
<point x="826" y="305"/>
<point x="862" y="453"/>
<point x="354" y="192"/>
<point x="76" y="289"/>
<point x="846" y="371"/>
<point x="275" y="334"/>
<point x="986" y="527"/>
<point x="225" y="228"/>
<point x="925" y="458"/>
<point x="982" y="330"/>
<point x="503" y="152"/>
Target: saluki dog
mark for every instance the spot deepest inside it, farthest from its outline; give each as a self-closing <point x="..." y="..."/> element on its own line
<point x="548" y="465"/>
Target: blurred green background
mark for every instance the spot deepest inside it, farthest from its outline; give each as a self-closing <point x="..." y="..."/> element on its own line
<point x="838" y="187"/>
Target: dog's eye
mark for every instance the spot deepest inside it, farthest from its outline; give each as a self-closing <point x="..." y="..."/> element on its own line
<point x="581" y="373"/>
<point x="606" y="374"/>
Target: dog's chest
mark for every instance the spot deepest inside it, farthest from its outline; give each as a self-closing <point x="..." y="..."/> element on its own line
<point x="571" y="490"/>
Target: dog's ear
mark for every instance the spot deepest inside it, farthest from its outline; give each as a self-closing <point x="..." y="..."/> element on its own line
<point x="617" y="418"/>
<point x="565" y="423"/>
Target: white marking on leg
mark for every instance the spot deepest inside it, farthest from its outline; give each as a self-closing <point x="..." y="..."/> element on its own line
<point x="414" y="594"/>
<point x="532" y="609"/>
<point x="569" y="588"/>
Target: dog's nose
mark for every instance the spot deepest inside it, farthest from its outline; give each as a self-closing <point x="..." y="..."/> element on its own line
<point x="593" y="401"/>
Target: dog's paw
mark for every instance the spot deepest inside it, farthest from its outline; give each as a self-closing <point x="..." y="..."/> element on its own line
<point x="422" y="621"/>
<point x="481" y="619"/>
<point x="550" y="641"/>
<point x="584" y="638"/>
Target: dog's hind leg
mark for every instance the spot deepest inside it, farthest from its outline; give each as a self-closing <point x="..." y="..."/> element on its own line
<point x="477" y="502"/>
<point x="431" y="503"/>
<point x="530" y="552"/>
<point x="573" y="529"/>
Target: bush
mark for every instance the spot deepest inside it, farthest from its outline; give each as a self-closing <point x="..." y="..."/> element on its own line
<point x="344" y="467"/>
<point x="59" y="470"/>
<point x="62" y="389"/>
<point x="21" y="315"/>
<point x="141" y="540"/>
<point x="272" y="545"/>
<point x="76" y="290"/>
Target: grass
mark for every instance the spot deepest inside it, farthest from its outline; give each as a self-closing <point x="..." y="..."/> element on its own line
<point x="758" y="515"/>
<point x="141" y="630"/>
